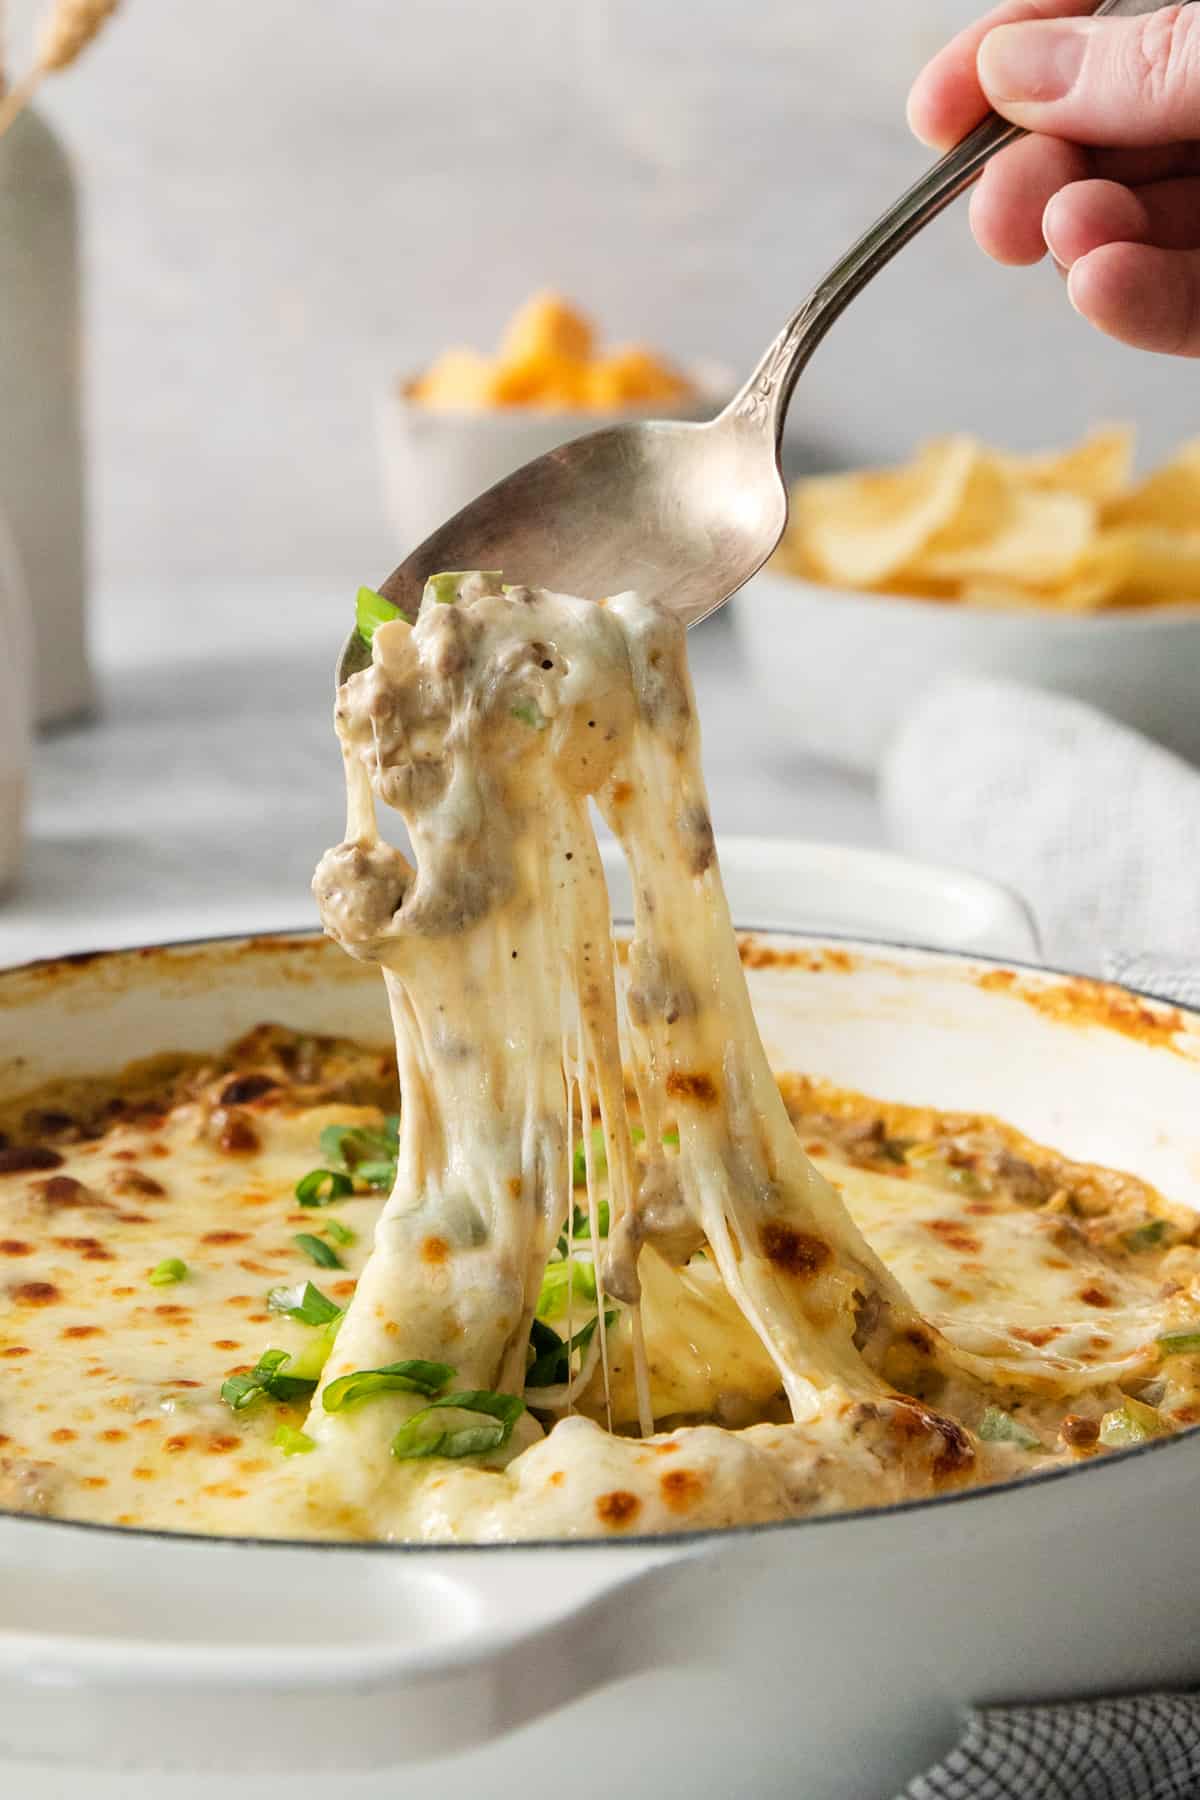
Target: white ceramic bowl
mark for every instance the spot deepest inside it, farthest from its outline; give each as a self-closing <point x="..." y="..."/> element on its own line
<point x="434" y="462"/>
<point x="840" y="669"/>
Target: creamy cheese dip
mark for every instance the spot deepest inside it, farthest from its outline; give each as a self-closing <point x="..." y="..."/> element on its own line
<point x="111" y="1378"/>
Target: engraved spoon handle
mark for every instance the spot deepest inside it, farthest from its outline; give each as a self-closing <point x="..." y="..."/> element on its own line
<point x="765" y="397"/>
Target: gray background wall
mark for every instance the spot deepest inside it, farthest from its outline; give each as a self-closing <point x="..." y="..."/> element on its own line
<point x="286" y="201"/>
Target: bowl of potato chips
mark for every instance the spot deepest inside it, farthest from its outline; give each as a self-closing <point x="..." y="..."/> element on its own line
<point x="1060" y="569"/>
<point x="470" y="418"/>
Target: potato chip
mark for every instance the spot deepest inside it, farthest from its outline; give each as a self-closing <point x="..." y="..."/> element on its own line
<point x="1169" y="498"/>
<point x="994" y="529"/>
<point x="858" y="530"/>
<point x="1097" y="469"/>
<point x="1159" y="566"/>
<point x="1005" y="533"/>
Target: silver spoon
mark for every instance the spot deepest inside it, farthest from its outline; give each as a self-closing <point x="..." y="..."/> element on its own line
<point x="685" y="512"/>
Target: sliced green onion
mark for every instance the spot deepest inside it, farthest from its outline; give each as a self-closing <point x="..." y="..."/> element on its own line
<point x="414" y="1377"/>
<point x="293" y="1442"/>
<point x="346" y="1146"/>
<point x="1180" y="1343"/>
<point x="1132" y="1423"/>
<point x="371" y="611"/>
<point x="551" y="1365"/>
<point x="444" y="589"/>
<point x="337" y="1233"/>
<point x="305" y="1302"/>
<point x="376" y="1174"/>
<point x="1147" y="1236"/>
<point x="562" y="1278"/>
<point x="171" y="1269"/>
<point x="581" y="1224"/>
<point x="599" y="1158"/>
<point x="321" y="1187"/>
<point x="321" y="1253"/>
<point x="999" y="1427"/>
<point x="427" y="1435"/>
<point x="274" y="1374"/>
<point x="308" y="1364"/>
<point x="531" y="714"/>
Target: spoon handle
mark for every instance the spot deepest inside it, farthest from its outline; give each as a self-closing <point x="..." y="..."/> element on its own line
<point x="764" y="399"/>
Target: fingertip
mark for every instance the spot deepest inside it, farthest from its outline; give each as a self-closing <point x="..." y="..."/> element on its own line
<point x="1140" y="295"/>
<point x="925" y="114"/>
<point x="1009" y="204"/>
<point x="1001" y="233"/>
<point x="1084" y="215"/>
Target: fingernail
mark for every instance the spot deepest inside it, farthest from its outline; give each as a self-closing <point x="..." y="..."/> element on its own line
<point x="1049" y="234"/>
<point x="1036" y="62"/>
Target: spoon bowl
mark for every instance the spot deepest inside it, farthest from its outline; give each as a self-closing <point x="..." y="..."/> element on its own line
<point x="687" y="512"/>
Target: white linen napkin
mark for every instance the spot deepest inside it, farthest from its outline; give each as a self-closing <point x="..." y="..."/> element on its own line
<point x="1097" y="827"/>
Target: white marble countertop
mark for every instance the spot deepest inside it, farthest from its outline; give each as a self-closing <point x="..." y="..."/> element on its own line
<point x="199" y="797"/>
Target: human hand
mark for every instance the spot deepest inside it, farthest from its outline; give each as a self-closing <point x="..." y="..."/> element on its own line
<point x="1109" y="182"/>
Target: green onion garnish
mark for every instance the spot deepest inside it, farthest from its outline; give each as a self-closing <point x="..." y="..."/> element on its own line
<point x="321" y="1187"/>
<point x="371" y="611"/>
<point x="321" y="1253"/>
<point x="306" y="1303"/>
<point x="1147" y="1236"/>
<point x="267" y="1377"/>
<point x="337" y="1233"/>
<point x="1132" y="1423"/>
<point x="581" y="1224"/>
<point x="530" y="713"/>
<point x="999" y="1427"/>
<point x="308" y="1363"/>
<point x="293" y="1442"/>
<point x="1180" y="1343"/>
<point x="562" y="1278"/>
<point x="551" y="1365"/>
<point x="413" y="1377"/>
<point x="425" y="1434"/>
<point x="171" y="1269"/>
<point x="376" y="1174"/>
<point x="444" y="589"/>
<point x="347" y="1146"/>
<point x="599" y="1158"/>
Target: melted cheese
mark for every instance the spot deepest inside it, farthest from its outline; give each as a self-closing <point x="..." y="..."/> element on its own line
<point x="109" y="1386"/>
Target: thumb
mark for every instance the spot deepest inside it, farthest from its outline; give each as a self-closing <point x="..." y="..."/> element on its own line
<point x="1099" y="81"/>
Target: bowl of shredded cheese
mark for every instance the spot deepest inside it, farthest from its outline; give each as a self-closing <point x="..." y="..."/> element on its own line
<point x="450" y="431"/>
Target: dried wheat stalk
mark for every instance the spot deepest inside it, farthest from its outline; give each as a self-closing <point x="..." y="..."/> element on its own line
<point x="67" y="32"/>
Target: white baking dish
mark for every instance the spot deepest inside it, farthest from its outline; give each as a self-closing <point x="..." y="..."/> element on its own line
<point x="808" y="1660"/>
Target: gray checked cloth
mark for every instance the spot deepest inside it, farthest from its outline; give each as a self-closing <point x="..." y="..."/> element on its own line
<point x="1144" y="1748"/>
<point x="1099" y="830"/>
